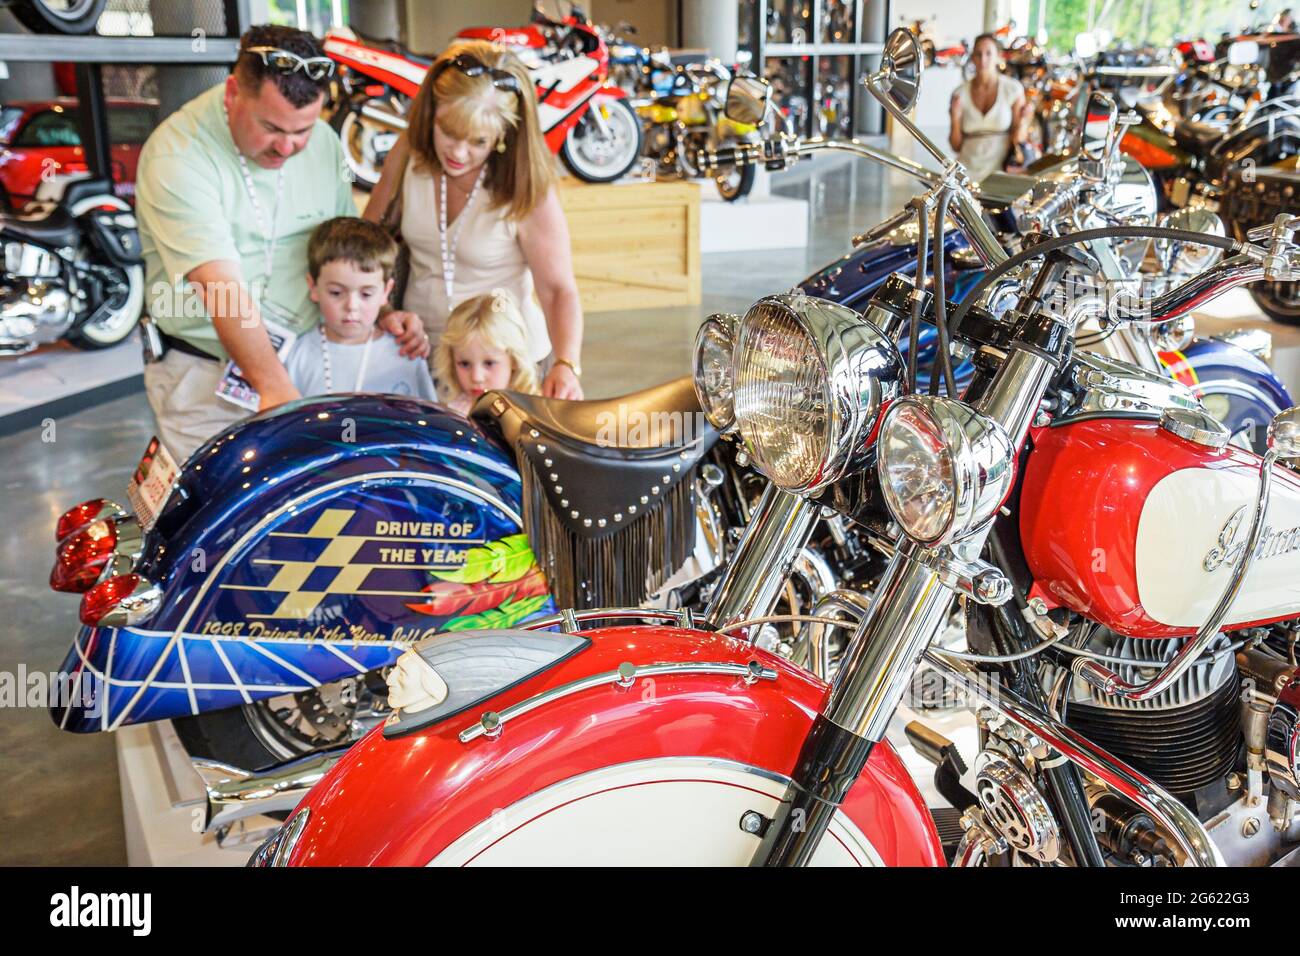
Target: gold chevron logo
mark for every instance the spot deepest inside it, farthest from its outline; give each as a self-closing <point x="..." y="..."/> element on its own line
<point x="291" y="576"/>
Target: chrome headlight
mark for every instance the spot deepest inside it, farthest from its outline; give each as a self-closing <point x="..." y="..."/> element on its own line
<point x="944" y="467"/>
<point x="810" y="379"/>
<point x="712" y="368"/>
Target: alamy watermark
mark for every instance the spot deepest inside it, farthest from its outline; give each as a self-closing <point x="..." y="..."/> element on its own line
<point x="628" y="427"/>
<point x="44" y="690"/>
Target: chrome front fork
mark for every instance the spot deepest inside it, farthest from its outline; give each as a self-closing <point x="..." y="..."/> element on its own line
<point x="778" y="530"/>
<point x="909" y="611"/>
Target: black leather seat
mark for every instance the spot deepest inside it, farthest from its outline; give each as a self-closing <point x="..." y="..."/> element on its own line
<point x="604" y="463"/>
<point x="80" y="189"/>
<point x="393" y="46"/>
<point x="56" y="229"/>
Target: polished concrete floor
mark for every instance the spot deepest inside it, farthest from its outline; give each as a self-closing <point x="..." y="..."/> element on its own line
<point x="62" y="803"/>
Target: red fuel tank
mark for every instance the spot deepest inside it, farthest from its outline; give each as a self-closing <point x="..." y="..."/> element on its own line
<point x="1137" y="529"/>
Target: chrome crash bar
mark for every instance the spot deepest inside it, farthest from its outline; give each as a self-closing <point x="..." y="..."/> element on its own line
<point x="1170" y="815"/>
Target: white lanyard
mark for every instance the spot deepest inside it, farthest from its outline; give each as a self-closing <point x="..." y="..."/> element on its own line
<point x="268" y="233"/>
<point x="449" y="250"/>
<point x="329" y="371"/>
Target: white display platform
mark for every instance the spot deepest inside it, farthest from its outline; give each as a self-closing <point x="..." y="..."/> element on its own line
<point x="162" y="805"/>
<point x="55" y="379"/>
<point x="758" y="221"/>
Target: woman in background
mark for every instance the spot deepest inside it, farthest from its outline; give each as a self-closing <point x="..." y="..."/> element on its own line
<point x="988" y="112"/>
<point x="470" y="189"/>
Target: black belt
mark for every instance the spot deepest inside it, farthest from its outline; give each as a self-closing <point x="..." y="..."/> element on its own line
<point x="180" y="345"/>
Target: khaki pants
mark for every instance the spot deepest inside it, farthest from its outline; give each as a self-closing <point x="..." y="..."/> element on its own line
<point x="182" y="393"/>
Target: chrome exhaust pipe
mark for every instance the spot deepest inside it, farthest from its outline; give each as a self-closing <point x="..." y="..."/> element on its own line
<point x="234" y="794"/>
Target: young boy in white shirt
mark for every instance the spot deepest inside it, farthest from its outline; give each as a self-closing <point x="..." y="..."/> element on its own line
<point x="350" y="276"/>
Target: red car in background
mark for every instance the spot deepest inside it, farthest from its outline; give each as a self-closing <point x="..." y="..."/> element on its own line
<point x="40" y="140"/>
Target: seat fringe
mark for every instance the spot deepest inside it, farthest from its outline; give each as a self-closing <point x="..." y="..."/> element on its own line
<point x="623" y="567"/>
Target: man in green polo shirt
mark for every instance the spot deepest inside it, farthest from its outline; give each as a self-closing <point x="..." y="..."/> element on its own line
<point x="228" y="191"/>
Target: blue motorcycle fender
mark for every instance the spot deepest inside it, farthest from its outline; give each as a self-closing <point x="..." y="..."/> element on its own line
<point x="853" y="278"/>
<point x="1236" y="386"/>
<point x="307" y="545"/>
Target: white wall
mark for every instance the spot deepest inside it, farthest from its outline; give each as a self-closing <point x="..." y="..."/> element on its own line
<point x="952" y="21"/>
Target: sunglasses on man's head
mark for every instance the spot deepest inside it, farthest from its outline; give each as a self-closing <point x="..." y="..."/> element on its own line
<point x="285" y="61"/>
<point x="501" y="79"/>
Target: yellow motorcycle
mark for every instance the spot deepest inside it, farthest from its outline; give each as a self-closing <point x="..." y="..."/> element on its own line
<point x="684" y="117"/>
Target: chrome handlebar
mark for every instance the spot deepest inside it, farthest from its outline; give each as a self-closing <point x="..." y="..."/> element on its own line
<point x="1039" y="213"/>
<point x="783" y="149"/>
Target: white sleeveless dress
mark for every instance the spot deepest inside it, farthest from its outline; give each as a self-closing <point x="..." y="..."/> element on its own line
<point x="986" y="137"/>
<point x="488" y="257"/>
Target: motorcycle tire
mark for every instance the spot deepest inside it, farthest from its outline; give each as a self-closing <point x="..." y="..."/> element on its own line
<point x="625" y="156"/>
<point x="259" y="735"/>
<point x="346" y="122"/>
<point x="1280" y="301"/>
<point x="106" y="332"/>
<point x="226" y="737"/>
<point x="732" y="187"/>
<point x="42" y="17"/>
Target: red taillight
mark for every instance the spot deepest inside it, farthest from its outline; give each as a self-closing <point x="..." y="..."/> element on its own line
<point x="77" y="517"/>
<point x="374" y="89"/>
<point x="82" y="557"/>
<point x="105" y="596"/>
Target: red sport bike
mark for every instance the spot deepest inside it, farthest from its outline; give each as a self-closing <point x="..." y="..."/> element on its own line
<point x="1072" y="544"/>
<point x="586" y="119"/>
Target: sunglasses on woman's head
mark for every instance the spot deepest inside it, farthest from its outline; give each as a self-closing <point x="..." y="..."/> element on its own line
<point x="285" y="61"/>
<point x="501" y="79"/>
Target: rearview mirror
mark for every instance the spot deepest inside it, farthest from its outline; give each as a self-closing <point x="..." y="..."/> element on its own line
<point x="900" y="68"/>
<point x="1189" y="258"/>
<point x="748" y="99"/>
<point x="1284" y="433"/>
<point x="1100" y="124"/>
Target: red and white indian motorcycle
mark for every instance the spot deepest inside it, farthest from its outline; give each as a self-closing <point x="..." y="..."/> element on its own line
<point x="585" y="118"/>
<point x="1118" y="567"/>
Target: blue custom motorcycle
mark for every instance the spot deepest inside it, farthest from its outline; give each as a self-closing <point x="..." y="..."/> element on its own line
<point x="302" y="551"/>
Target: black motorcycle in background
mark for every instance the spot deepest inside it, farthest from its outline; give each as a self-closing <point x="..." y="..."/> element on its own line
<point x="1242" y="166"/>
<point x="71" y="269"/>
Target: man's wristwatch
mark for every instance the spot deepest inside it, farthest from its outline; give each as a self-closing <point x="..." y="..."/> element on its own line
<point x="576" y="369"/>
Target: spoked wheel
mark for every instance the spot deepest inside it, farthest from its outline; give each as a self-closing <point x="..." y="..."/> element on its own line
<point x="809" y="580"/>
<point x="112" y="321"/>
<point x="365" y="145"/>
<point x="58" y="16"/>
<point x="601" y="151"/>
<point x="279" y="729"/>
<point x="1280" y="301"/>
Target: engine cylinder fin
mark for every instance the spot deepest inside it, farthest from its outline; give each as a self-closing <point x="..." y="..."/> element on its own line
<point x="1182" y="748"/>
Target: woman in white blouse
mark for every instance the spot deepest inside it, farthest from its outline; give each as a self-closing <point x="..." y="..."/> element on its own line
<point x="988" y="112"/>
<point x="470" y="186"/>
